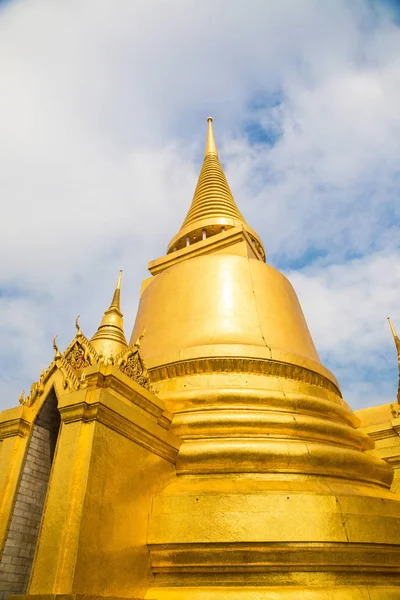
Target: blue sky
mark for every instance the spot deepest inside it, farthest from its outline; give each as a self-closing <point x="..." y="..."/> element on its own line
<point x="102" y="129"/>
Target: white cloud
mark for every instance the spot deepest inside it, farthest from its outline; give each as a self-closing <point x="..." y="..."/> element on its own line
<point x="346" y="307"/>
<point x="101" y="126"/>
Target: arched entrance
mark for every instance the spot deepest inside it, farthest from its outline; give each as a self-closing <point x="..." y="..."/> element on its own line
<point x="16" y="560"/>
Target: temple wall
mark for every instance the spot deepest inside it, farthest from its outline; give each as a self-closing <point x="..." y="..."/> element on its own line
<point x="112" y="456"/>
<point x="382" y="424"/>
<point x="123" y="479"/>
<point x="396" y="481"/>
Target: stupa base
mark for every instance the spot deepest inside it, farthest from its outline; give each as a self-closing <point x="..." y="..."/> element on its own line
<point x="374" y="592"/>
<point x="302" y="538"/>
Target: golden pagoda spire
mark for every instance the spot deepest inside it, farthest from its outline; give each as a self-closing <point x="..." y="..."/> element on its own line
<point x="213" y="209"/>
<point x="109" y="340"/>
<point x="397" y="342"/>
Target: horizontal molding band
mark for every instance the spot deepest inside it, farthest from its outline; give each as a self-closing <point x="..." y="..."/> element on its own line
<point x="274" y="556"/>
<point x="323" y="581"/>
<point x="196" y="399"/>
<point x="230" y="364"/>
<point x="230" y="422"/>
<point x="125" y="386"/>
<point x="98" y="412"/>
<point x="247" y="455"/>
<point x="14" y="427"/>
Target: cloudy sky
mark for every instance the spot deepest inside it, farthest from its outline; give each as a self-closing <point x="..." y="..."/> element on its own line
<point x="102" y="127"/>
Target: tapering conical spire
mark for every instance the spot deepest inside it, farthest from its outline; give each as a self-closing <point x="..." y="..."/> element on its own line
<point x="115" y="303"/>
<point x="212" y="197"/>
<point x="395" y="336"/>
<point x="109" y="339"/>
<point x="397" y="342"/>
<point x="213" y="208"/>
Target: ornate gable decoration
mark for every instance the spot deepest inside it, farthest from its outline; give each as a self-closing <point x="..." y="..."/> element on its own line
<point x="131" y="363"/>
<point x="80" y="355"/>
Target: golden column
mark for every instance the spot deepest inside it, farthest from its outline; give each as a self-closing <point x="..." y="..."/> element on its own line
<point x="277" y="494"/>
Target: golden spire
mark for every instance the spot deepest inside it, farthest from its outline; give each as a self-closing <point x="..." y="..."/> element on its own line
<point x="212" y="197"/>
<point x="117" y="294"/>
<point x="397" y="342"/>
<point x="395" y="336"/>
<point x="109" y="340"/>
<point x="213" y="208"/>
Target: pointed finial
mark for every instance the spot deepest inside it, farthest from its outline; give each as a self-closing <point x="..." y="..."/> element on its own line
<point x="21" y="398"/>
<point x="58" y="353"/>
<point x="137" y="343"/>
<point x="211" y="147"/>
<point x="117" y="294"/>
<point x="392" y="329"/>
<point x="78" y="329"/>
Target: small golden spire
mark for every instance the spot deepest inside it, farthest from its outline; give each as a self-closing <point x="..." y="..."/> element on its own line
<point x="211" y="147"/>
<point x="109" y="340"/>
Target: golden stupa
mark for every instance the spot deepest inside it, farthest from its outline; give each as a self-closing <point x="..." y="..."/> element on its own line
<point x="211" y="457"/>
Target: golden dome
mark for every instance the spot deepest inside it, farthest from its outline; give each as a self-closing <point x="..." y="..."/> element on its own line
<point x="222" y="304"/>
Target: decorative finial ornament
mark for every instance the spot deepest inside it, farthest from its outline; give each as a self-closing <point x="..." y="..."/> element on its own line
<point x="211" y="147"/>
<point x="137" y="343"/>
<point x="117" y="294"/>
<point x="57" y="352"/>
<point x="78" y="329"/>
<point x="397" y="342"/>
<point x="21" y="398"/>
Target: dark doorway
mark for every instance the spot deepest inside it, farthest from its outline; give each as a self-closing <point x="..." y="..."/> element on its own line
<point x="17" y="558"/>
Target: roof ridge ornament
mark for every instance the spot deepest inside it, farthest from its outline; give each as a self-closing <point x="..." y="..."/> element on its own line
<point x="78" y="329"/>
